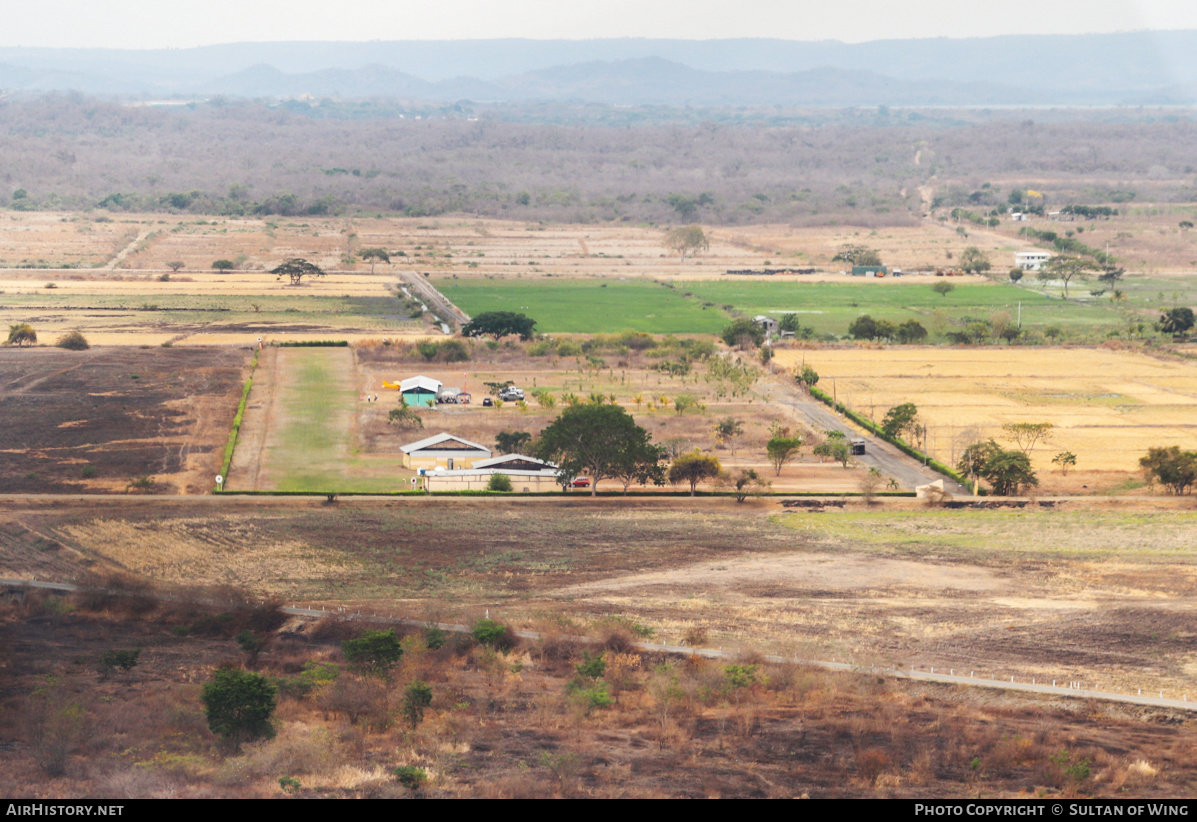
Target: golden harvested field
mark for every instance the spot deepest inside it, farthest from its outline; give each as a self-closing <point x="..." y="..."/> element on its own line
<point x="469" y="246"/>
<point x="1108" y="406"/>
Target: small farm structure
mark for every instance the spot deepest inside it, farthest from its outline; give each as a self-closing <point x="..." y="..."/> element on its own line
<point x="420" y="392"/>
<point x="527" y="474"/>
<point x="869" y="271"/>
<point x="767" y="323"/>
<point x="443" y="451"/>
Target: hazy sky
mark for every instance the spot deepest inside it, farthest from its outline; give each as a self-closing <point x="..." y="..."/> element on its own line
<point x="167" y="23"/>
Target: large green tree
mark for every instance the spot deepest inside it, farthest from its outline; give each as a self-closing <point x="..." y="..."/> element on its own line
<point x="1176" y="321"/>
<point x="1066" y="269"/>
<point x="901" y="421"/>
<point x="295" y="269"/>
<point x="499" y="324"/>
<point x="239" y="705"/>
<point x="1007" y="472"/>
<point x="600" y="440"/>
<point x="694" y="468"/>
<point x="1176" y="470"/>
<point x="374" y="255"/>
<point x="743" y="333"/>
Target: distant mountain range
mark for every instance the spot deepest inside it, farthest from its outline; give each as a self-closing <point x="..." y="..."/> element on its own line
<point x="1140" y="68"/>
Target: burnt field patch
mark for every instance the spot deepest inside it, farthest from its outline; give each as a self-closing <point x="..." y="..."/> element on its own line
<point x="94" y="421"/>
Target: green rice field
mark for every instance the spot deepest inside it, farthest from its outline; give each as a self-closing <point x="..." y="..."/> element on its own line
<point x="590" y="306"/>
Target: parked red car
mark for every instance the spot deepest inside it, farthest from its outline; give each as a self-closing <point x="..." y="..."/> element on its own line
<point x="580" y="482"/>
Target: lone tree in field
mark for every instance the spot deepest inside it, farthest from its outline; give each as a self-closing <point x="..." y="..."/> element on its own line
<point x="943" y="288"/>
<point x="1026" y="434"/>
<point x="1065" y="269"/>
<point x="694" y="468"/>
<point x="296" y="269"/>
<point x="689" y="239"/>
<point x="20" y="334"/>
<point x="223" y="265"/>
<point x="781" y="448"/>
<point x="239" y="705"/>
<point x="175" y="265"/>
<point x="374" y="255"/>
<point x="600" y="440"/>
<point x="1066" y="460"/>
<point x="499" y="324"/>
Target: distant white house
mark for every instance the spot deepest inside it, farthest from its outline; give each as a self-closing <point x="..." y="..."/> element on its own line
<point x="767" y="323"/>
<point x="1031" y="260"/>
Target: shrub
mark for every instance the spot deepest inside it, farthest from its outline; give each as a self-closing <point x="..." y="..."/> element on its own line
<point x="454" y="351"/>
<point x="499" y="482"/>
<point x="590" y="696"/>
<point x="73" y="341"/>
<point x="376" y="651"/>
<point x="591" y="667"/>
<point x="416" y="697"/>
<point x="126" y="660"/>
<point x="405" y="417"/>
<point x="494" y="634"/>
<point x="410" y="777"/>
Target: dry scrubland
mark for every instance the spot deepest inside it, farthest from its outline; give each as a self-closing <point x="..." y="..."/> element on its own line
<point x="1099" y="595"/>
<point x="1107" y="406"/>
<point x="520" y="721"/>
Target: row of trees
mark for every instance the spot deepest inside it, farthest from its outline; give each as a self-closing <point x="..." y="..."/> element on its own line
<point x="604" y="442"/>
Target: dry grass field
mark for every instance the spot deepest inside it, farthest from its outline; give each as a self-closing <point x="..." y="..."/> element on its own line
<point x="1107" y="406"/>
<point x="468" y="246"/>
<point x="521" y="721"/>
<point x="1075" y="593"/>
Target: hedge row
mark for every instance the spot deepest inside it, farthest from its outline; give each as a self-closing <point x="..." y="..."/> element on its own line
<point x="236" y="429"/>
<point x="898" y="442"/>
<point x="313" y="344"/>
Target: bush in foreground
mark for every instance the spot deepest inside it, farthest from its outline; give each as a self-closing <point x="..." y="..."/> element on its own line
<point x="73" y="341"/>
